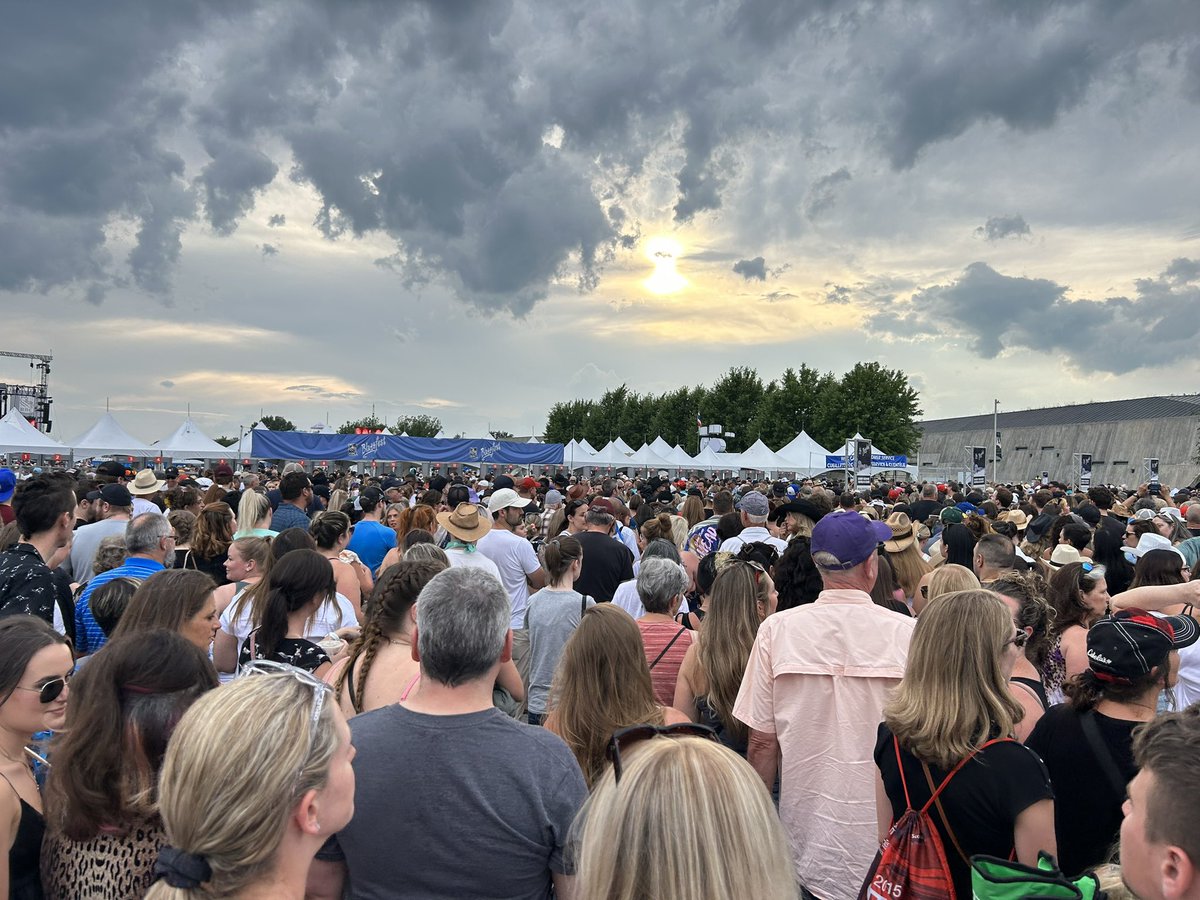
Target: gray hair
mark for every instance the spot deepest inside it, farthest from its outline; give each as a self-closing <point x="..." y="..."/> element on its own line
<point x="144" y="533"/>
<point x="659" y="582"/>
<point x="462" y="620"/>
<point x="661" y="548"/>
<point x="427" y="550"/>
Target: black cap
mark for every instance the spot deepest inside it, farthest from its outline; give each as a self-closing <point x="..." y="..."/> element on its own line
<point x="171" y="472"/>
<point x="111" y="469"/>
<point x="503" y="481"/>
<point x="116" y="495"/>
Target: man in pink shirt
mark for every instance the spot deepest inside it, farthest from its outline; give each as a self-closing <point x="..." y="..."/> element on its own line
<point x="813" y="695"/>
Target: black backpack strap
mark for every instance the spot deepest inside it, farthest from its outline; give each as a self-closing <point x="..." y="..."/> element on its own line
<point x="670" y="644"/>
<point x="1100" y="750"/>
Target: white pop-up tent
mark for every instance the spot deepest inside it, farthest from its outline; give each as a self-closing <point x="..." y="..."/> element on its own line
<point x="661" y="447"/>
<point x="575" y="455"/>
<point x="18" y="436"/>
<point x="107" y="436"/>
<point x="759" y="457"/>
<point x="190" y="442"/>
<point x="646" y="458"/>
<point x="709" y="460"/>
<point x="803" y="454"/>
<point x="679" y="458"/>
<point x="621" y="447"/>
<point x="609" y="456"/>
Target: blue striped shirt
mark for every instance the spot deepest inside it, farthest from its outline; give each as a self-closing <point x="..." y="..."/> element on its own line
<point x="89" y="636"/>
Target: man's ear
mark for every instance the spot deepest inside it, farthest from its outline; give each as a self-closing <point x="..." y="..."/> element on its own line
<point x="505" y="654"/>
<point x="416" y="654"/>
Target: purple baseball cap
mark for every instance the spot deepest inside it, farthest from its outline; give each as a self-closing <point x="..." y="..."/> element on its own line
<point x="849" y="537"/>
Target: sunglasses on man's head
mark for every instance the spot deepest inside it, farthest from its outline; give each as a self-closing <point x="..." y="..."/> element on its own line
<point x="51" y="690"/>
<point x="626" y="738"/>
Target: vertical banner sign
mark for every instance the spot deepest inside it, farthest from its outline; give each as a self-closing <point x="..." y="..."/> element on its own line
<point x="1045" y="478"/>
<point x="978" y="466"/>
<point x="1085" y="471"/>
<point x="862" y="464"/>
<point x="1152" y="469"/>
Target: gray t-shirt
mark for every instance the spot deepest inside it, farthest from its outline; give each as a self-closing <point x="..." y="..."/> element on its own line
<point x="551" y="617"/>
<point x="475" y="805"/>
<point x="84" y="544"/>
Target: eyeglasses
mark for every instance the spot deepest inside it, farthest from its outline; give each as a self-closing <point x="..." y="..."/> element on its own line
<point x="925" y="591"/>
<point x="1019" y="640"/>
<point x="320" y="689"/>
<point x="51" y="690"/>
<point x="626" y="738"/>
<point x="1087" y="567"/>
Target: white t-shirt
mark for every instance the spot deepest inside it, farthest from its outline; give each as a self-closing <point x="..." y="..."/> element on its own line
<point x="755" y="534"/>
<point x="460" y="557"/>
<point x="330" y="617"/>
<point x="514" y="557"/>
<point x="1187" y="688"/>
<point x="626" y="597"/>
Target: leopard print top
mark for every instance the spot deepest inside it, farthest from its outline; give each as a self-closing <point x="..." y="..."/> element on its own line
<point x="108" y="867"/>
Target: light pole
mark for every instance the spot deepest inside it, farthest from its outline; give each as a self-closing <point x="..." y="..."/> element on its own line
<point x="996" y="441"/>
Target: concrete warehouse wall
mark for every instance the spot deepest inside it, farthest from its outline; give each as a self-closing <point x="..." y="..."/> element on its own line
<point x="1117" y="449"/>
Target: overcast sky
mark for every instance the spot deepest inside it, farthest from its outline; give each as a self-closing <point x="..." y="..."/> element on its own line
<point x="474" y="209"/>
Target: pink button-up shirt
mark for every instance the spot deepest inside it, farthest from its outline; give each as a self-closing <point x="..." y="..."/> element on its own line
<point x="817" y="678"/>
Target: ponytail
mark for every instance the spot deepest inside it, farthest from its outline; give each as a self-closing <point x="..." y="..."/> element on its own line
<point x="558" y="554"/>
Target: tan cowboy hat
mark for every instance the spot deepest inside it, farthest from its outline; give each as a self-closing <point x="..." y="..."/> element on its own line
<point x="146" y="482"/>
<point x="902" y="533"/>
<point x="465" y="523"/>
<point x="1015" y="517"/>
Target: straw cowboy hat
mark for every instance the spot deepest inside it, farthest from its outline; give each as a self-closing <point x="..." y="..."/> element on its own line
<point x="146" y="482"/>
<point x="902" y="533"/>
<point x="465" y="523"/>
<point x="1015" y="517"/>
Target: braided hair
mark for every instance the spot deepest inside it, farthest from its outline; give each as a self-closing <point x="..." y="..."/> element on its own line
<point x="394" y="595"/>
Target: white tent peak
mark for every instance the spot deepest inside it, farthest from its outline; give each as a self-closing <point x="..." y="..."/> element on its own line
<point x="189" y="442"/>
<point x="18" y="436"/>
<point x="107" y="436"/>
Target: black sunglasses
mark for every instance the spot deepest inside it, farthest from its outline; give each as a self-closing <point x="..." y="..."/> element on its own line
<point x="51" y="690"/>
<point x="626" y="738"/>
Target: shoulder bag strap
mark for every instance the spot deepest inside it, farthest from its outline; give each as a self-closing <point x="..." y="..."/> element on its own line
<point x="935" y="798"/>
<point x="1100" y="750"/>
<point x="668" y="647"/>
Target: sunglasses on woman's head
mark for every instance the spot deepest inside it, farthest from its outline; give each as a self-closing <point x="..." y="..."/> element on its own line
<point x="626" y="738"/>
<point x="50" y="690"/>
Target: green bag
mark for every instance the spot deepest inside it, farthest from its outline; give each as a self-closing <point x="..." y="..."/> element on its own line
<point x="1002" y="879"/>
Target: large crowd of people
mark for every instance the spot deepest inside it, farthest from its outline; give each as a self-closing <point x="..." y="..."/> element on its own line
<point x="298" y="683"/>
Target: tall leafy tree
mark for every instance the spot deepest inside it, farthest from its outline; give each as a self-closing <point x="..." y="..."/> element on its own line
<point x="370" y="422"/>
<point x="277" y="423"/>
<point x="418" y="426"/>
<point x="789" y="406"/>
<point x="731" y="402"/>
<point x="880" y="404"/>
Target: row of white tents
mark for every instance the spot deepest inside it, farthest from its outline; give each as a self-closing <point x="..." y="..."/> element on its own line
<point x="800" y="455"/>
<point x="107" y="438"/>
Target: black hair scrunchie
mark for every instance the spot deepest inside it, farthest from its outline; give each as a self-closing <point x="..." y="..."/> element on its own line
<point x="182" y="870"/>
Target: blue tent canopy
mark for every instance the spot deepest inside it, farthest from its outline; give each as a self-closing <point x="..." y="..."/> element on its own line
<point x="303" y="445"/>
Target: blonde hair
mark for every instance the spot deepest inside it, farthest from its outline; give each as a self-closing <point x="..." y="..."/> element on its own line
<point x="954" y="691"/>
<point x="730" y="626"/>
<point x="909" y="567"/>
<point x="241" y="758"/>
<point x="602" y="684"/>
<point x="253" y="508"/>
<point x="949" y="578"/>
<point x="699" y="812"/>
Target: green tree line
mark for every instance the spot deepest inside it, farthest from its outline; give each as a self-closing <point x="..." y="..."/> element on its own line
<point x="869" y="399"/>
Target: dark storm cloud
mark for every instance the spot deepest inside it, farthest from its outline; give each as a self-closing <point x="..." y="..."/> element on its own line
<point x="424" y="121"/>
<point x="1183" y="271"/>
<point x="751" y="268"/>
<point x="998" y="227"/>
<point x="994" y="312"/>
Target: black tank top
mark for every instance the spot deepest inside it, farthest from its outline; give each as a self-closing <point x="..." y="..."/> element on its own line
<point x="1037" y="687"/>
<point x="24" y="857"/>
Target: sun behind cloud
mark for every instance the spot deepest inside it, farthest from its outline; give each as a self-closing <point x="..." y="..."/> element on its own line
<point x="663" y="251"/>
